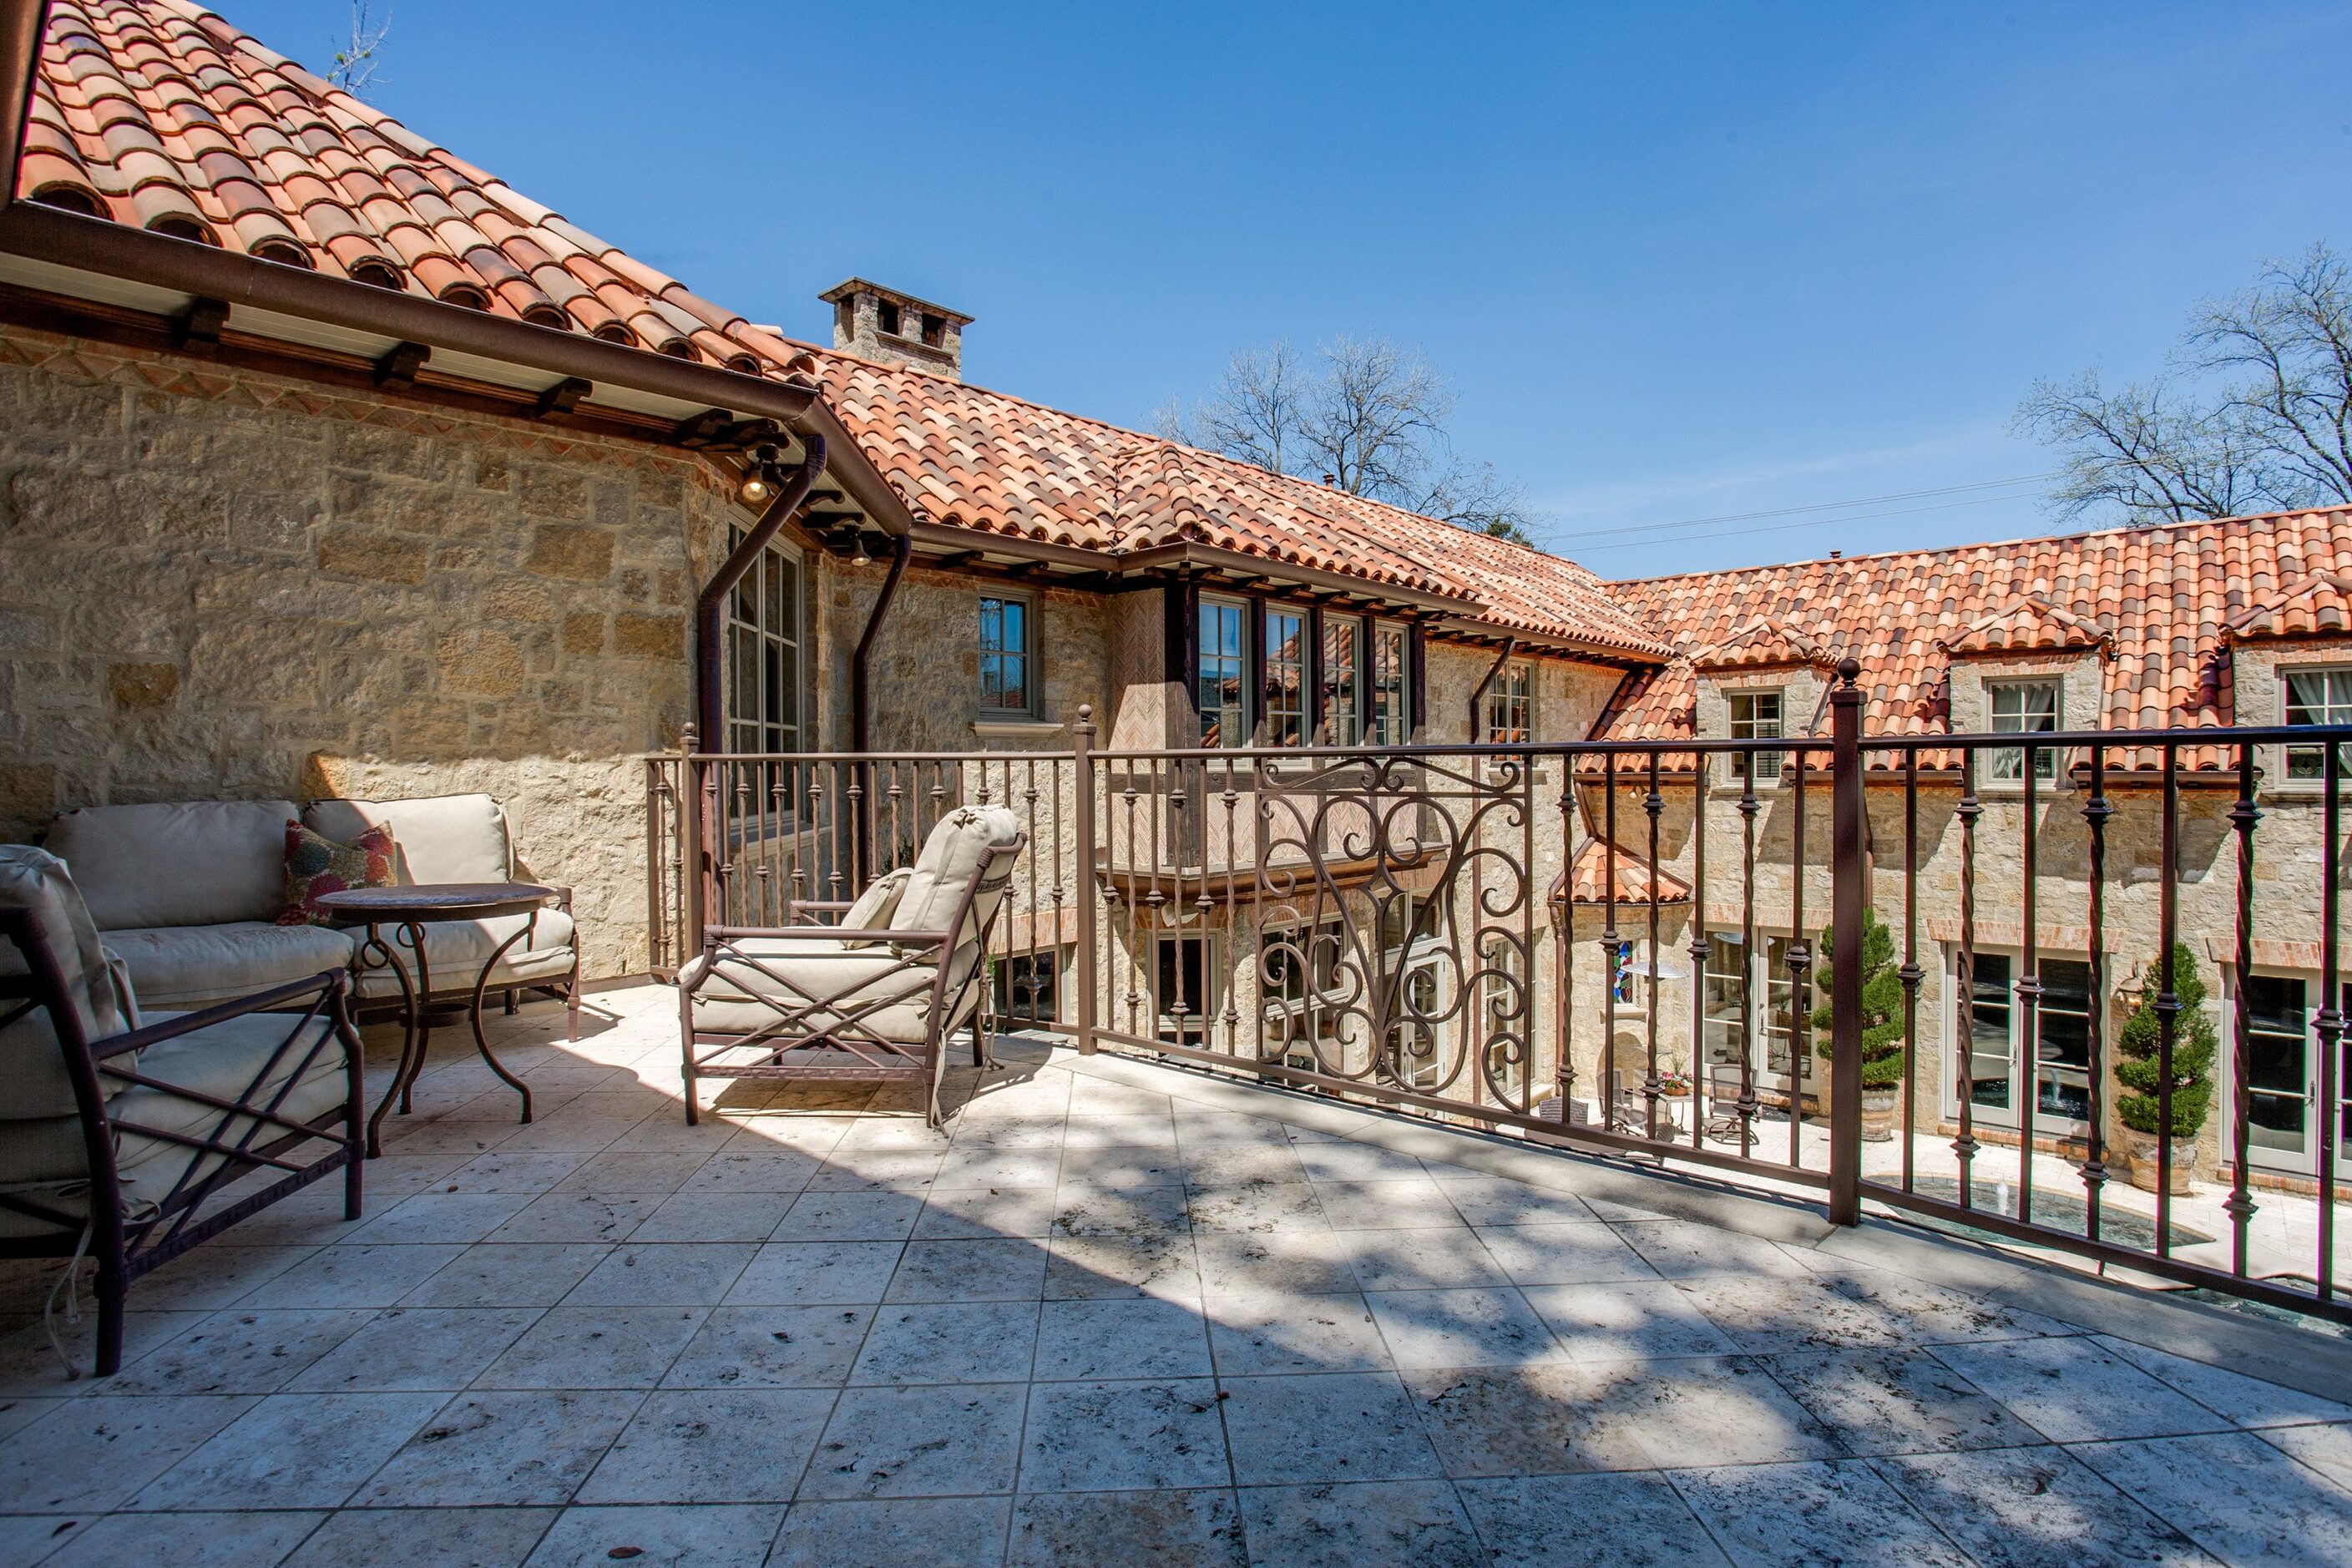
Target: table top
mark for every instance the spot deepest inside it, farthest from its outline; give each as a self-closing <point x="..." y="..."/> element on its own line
<point x="423" y="901"/>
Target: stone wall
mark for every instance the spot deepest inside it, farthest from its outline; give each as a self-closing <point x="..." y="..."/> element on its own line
<point x="218" y="582"/>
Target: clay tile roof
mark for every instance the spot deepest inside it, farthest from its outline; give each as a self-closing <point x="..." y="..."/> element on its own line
<point x="1765" y="643"/>
<point x="2319" y="604"/>
<point x="2032" y="624"/>
<point x="1586" y="880"/>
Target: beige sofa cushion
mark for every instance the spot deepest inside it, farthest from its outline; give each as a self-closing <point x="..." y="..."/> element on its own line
<point x="950" y="859"/>
<point x="455" y="951"/>
<point x="441" y="838"/>
<point x="182" y="863"/>
<point x="872" y="909"/>
<point x="33" y="1079"/>
<point x="187" y="967"/>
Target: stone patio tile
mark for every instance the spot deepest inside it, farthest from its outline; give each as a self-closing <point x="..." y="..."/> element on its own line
<point x="1087" y="1208"/>
<point x="1922" y="1313"/>
<point x="1635" y="1520"/>
<point x="22" y="1411"/>
<point x="1326" y="1426"/>
<point x="2233" y="1494"/>
<point x="1198" y="1127"/>
<point x="1638" y="1317"/>
<point x="445" y="1537"/>
<point x="713" y="1217"/>
<point x="1812" y="1513"/>
<point x="664" y="1274"/>
<point x="891" y="1133"/>
<point x="410" y="1348"/>
<point x="2071" y="1390"/>
<point x="617" y="1171"/>
<point x="443" y="1216"/>
<point x="1256" y="1335"/>
<point x="776" y="1134"/>
<point x="509" y="1274"/>
<point x="1109" y="1267"/>
<point x="1120" y="1165"/>
<point x="1020" y="1130"/>
<point x="513" y="1171"/>
<point x="578" y="1217"/>
<point x="241" y="1351"/>
<point x="1249" y="1163"/>
<point x="939" y="1441"/>
<point x="293" y="1451"/>
<point x="1491" y="1327"/>
<point x="807" y="1272"/>
<point x="1724" y="1411"/>
<point x="780" y="1170"/>
<point x="1179" y="1527"/>
<point x="981" y="1214"/>
<point x="2033" y="1508"/>
<point x="1299" y="1262"/>
<point x="407" y="1137"/>
<point x="1772" y="1315"/>
<point x="1100" y="1097"/>
<point x="969" y="1169"/>
<point x="1091" y="1340"/>
<point x="187" y="1540"/>
<point x="214" y="1275"/>
<point x="1267" y="1206"/>
<point x="835" y="1215"/>
<point x="771" y="1347"/>
<point x="595" y="1347"/>
<point x="1139" y="1133"/>
<point x="1895" y="1401"/>
<point x="1345" y="1160"/>
<point x="355" y="1275"/>
<point x="495" y="1448"/>
<point x="950" y="1341"/>
<point x="1578" y="1254"/>
<point x="712" y="1446"/>
<point x="1484" y="1200"/>
<point x="665" y="1132"/>
<point x="860" y="1170"/>
<point x="707" y="1536"/>
<point x="1401" y="1203"/>
<point x="94" y="1452"/>
<point x="1686" y="1249"/>
<point x="1393" y="1524"/>
<point x="2328" y="1449"/>
<point x="1129" y="1434"/>
<point x="920" y="1532"/>
<point x="1532" y="1420"/>
<point x="1001" y="1270"/>
<point x="29" y="1538"/>
<point x="2247" y="1401"/>
<point x="1429" y="1260"/>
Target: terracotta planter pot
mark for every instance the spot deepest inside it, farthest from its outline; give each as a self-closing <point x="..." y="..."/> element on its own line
<point x="2147" y="1168"/>
<point x="1881" y="1113"/>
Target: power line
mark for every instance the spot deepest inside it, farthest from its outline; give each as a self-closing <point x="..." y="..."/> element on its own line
<point x="1784" y="527"/>
<point x="1646" y="528"/>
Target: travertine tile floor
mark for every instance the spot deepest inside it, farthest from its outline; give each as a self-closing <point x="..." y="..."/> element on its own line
<point x="1118" y="1313"/>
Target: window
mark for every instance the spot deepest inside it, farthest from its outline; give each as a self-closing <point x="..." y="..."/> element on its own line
<point x="1180" y="997"/>
<point x="1391" y="718"/>
<point x="886" y="316"/>
<point x="2282" y="1064"/>
<point x="763" y="656"/>
<point x="1621" y="973"/>
<point x="1285" y="677"/>
<point x="1734" y="978"/>
<point x="1343" y="702"/>
<point x="1224" y="657"/>
<point x="935" y="328"/>
<point x="1756" y="716"/>
<point x="1027" y="988"/>
<point x="2024" y="707"/>
<point x="2061" y="1026"/>
<point x="1300" y="968"/>
<point x="1988" y="1030"/>
<point x="1510" y="705"/>
<point x="1004" y="686"/>
<point x="2318" y="696"/>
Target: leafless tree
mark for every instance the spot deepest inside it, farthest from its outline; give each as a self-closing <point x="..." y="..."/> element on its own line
<point x="2253" y="413"/>
<point x="357" y="61"/>
<point x="1367" y="417"/>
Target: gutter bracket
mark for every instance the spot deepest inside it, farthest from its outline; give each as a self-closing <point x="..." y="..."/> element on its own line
<point x="197" y="329"/>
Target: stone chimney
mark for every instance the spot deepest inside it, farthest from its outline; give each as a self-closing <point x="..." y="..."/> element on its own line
<point x="879" y="323"/>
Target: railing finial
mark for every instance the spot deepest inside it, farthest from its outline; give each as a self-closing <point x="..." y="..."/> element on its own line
<point x="1849" y="670"/>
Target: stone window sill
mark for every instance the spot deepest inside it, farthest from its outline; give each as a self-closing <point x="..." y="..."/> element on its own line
<point x="1015" y="726"/>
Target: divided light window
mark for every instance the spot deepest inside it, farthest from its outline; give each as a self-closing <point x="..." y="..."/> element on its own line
<point x="1756" y="716"/>
<point x="1343" y="680"/>
<point x="1510" y="705"/>
<point x="1224" y="665"/>
<point x="2318" y="696"/>
<point x="2024" y="707"/>
<point x="763" y="656"/>
<point x="1004" y="656"/>
<point x="1285" y="677"/>
<point x="1390" y="715"/>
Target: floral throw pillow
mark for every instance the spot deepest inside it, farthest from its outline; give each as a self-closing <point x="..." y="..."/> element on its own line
<point x="316" y="865"/>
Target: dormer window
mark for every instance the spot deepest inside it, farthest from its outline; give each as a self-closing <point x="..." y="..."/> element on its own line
<point x="1757" y="716"/>
<point x="2024" y="708"/>
<point x="2317" y="696"/>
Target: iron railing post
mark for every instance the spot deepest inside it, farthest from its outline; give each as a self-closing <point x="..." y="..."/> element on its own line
<point x="1847" y="893"/>
<point x="1083" y="817"/>
<point x="690" y="822"/>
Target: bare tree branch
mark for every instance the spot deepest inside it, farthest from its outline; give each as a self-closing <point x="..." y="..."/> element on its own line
<point x="357" y="61"/>
<point x="2137" y="452"/>
<point x="2291" y="336"/>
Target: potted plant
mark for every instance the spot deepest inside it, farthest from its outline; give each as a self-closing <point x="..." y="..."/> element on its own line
<point x="1675" y="1083"/>
<point x="1882" y="1027"/>
<point x="2195" y="1044"/>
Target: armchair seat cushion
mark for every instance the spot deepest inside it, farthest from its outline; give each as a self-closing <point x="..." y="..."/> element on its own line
<point x="455" y="952"/>
<point x="183" y="968"/>
<point x="756" y="977"/>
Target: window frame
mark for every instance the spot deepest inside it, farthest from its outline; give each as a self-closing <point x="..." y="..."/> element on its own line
<point x="756" y="648"/>
<point x="1769" y="761"/>
<point x="1027" y="603"/>
<point x="2006" y="764"/>
<point x="1239" y="732"/>
<point x="1383" y="728"/>
<point x="1336" y="681"/>
<point x="2020" y="1062"/>
<point x="1510" y="695"/>
<point x="2305" y="766"/>
<point x="1285" y="718"/>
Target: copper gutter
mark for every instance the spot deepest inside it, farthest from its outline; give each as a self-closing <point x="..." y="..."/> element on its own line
<point x="710" y="606"/>
<point x="22" y="27"/>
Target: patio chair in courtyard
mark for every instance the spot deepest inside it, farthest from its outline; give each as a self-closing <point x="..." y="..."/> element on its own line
<point x="126" y="1139"/>
<point x="873" y="998"/>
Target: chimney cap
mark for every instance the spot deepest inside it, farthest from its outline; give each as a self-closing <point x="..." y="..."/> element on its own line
<point x="849" y="288"/>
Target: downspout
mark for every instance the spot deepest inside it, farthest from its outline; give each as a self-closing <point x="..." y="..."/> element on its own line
<point x="1510" y="646"/>
<point x="23" y="24"/>
<point x="710" y="609"/>
<point x="861" y="717"/>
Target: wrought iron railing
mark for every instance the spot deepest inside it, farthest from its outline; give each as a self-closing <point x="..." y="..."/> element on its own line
<point x="1642" y="950"/>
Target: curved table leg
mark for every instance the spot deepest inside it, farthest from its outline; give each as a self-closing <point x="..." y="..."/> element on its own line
<point x="411" y="1057"/>
<point x="481" y="1043"/>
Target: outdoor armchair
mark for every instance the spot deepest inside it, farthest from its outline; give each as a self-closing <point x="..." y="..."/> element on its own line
<point x="128" y="1139"/>
<point x="873" y="998"/>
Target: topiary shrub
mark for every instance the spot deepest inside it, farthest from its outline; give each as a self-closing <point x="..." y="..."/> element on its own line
<point x="2195" y="1043"/>
<point x="1882" y="1006"/>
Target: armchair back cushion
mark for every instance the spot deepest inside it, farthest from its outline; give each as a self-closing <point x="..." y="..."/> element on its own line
<point x="441" y="838"/>
<point x="950" y="859"/>
<point x="33" y="1078"/>
<point x="180" y="863"/>
<point x="873" y="908"/>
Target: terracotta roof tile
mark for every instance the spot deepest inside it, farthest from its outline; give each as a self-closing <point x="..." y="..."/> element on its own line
<point x="1585" y="881"/>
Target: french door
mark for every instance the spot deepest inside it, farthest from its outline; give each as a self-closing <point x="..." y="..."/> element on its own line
<point x="1747" y="996"/>
<point x="2003" y="1065"/>
<point x="2282" y="1046"/>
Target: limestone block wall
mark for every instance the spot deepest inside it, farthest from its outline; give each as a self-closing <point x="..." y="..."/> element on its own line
<point x="218" y="582"/>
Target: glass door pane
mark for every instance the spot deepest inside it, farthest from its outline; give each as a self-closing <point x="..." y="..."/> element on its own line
<point x="1989" y="1032"/>
<point x="2278" y="1065"/>
<point x="2062" y="1044"/>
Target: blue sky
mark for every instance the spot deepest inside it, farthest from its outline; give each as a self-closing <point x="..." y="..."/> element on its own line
<point x="1680" y="262"/>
